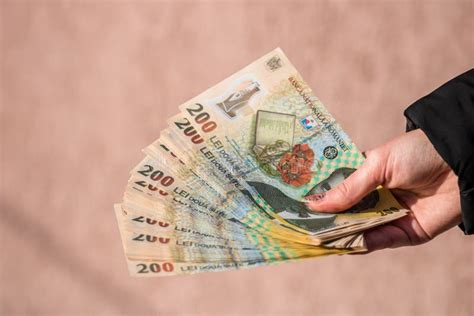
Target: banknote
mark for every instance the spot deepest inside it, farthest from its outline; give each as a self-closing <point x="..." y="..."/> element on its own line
<point x="267" y="133"/>
<point x="236" y="204"/>
<point x="181" y="246"/>
<point x="225" y="185"/>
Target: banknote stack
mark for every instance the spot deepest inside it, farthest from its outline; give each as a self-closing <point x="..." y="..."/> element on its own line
<point x="225" y="184"/>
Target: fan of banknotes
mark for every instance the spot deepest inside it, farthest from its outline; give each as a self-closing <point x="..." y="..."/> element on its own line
<point x="225" y="184"/>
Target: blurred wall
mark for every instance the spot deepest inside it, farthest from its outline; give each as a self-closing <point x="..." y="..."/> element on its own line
<point x="87" y="84"/>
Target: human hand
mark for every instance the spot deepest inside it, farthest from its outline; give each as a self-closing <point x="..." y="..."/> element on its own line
<point x="420" y="180"/>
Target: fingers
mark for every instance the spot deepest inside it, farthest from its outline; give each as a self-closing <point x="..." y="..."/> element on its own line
<point x="405" y="231"/>
<point x="387" y="236"/>
<point x="350" y="191"/>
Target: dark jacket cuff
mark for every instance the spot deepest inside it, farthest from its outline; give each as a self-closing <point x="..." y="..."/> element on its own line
<point x="446" y="116"/>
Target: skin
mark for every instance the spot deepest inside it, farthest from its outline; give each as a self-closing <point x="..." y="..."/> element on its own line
<point x="418" y="177"/>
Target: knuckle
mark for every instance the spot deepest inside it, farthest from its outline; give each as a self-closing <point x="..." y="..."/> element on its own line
<point x="343" y="189"/>
<point x="374" y="157"/>
<point x="342" y="194"/>
<point x="376" y="163"/>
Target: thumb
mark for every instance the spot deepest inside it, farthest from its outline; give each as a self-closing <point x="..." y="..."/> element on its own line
<point x="352" y="190"/>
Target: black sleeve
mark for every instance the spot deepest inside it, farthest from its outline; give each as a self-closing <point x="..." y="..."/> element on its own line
<point x="447" y="117"/>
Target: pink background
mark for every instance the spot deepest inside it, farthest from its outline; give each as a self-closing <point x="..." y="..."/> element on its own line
<point x="87" y="84"/>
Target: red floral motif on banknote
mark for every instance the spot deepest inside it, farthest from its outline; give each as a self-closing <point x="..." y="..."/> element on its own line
<point x="295" y="166"/>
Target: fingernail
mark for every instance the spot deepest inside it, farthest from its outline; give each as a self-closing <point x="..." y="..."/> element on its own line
<point x="316" y="197"/>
